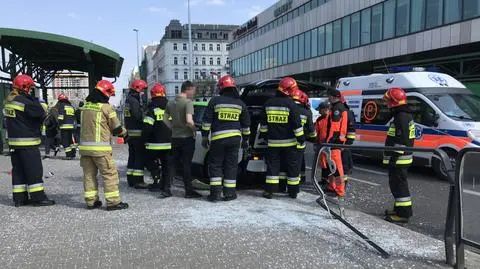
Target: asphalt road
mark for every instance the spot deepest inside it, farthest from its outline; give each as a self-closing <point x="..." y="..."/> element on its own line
<point x="369" y="192"/>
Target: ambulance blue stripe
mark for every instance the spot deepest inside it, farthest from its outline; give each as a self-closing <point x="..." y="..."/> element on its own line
<point x="430" y="131"/>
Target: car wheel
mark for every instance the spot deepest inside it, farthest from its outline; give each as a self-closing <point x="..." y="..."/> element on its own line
<point x="437" y="166"/>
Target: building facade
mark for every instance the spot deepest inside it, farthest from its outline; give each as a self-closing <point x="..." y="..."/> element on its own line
<point x="73" y="84"/>
<point x="322" y="40"/>
<point x="210" y="55"/>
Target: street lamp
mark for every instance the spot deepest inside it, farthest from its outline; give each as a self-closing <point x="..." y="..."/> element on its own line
<point x="190" y="51"/>
<point x="138" y="57"/>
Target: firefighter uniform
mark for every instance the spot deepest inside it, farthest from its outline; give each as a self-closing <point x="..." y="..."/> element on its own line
<point x="98" y="123"/>
<point x="347" y="159"/>
<point x="401" y="133"/>
<point x="66" y="119"/>
<point x="310" y="133"/>
<point x="136" y="147"/>
<point x="226" y="120"/>
<point x="158" y="142"/>
<point x="281" y="126"/>
<point x="24" y="117"/>
<point x="336" y="134"/>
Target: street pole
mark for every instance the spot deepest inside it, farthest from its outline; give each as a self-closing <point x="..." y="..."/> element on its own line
<point x="190" y="45"/>
<point x="138" y="56"/>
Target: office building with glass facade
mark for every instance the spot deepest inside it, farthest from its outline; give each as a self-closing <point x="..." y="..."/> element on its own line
<point x="322" y="40"/>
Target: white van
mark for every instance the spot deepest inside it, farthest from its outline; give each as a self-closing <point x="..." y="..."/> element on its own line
<point x="446" y="113"/>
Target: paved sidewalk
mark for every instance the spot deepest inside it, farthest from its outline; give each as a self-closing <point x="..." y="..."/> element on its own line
<point x="250" y="232"/>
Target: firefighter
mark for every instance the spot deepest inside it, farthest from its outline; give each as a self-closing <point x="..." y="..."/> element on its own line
<point x="158" y="142"/>
<point x="66" y="119"/>
<point x="227" y="122"/>
<point x="24" y="116"/>
<point x="321" y="126"/>
<point x="401" y="133"/>
<point x="99" y="123"/>
<point x="336" y="134"/>
<point x="77" y="122"/>
<point x="134" y="123"/>
<point x="347" y="159"/>
<point x="282" y="127"/>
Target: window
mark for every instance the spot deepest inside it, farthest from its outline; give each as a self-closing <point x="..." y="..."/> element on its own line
<point x="219" y="61"/>
<point x="213" y="35"/>
<point x="196" y="60"/>
<point x="210" y="47"/>
<point x="355" y="31"/>
<point x="203" y="47"/>
<point x="295" y="48"/>
<point x="417" y="19"/>
<point x="308" y="43"/>
<point x="337" y="35"/>
<point x="280" y="53"/>
<point x="328" y="38"/>
<point x="185" y="60"/>
<point x="365" y="37"/>
<point x="420" y="111"/>
<point x="301" y="47"/>
<point x="453" y="10"/>
<point x="375" y="112"/>
<point x="267" y="57"/>
<point x="199" y="35"/>
<point x="275" y="55"/>
<point x="176" y="34"/>
<point x="471" y="8"/>
<point x="176" y="75"/>
<point x="285" y="52"/>
<point x="185" y="75"/>
<point x="175" y="60"/>
<point x="314" y="4"/>
<point x="314" y="42"/>
<point x="377" y="22"/>
<point x="225" y="36"/>
<point x="203" y="61"/>
<point x="211" y="60"/>
<point x="174" y="46"/>
<point x="176" y="90"/>
<point x="195" y="47"/>
<point x="403" y="17"/>
<point x="434" y="13"/>
<point x="321" y="40"/>
<point x="346" y="32"/>
<point x="218" y="47"/>
<point x="184" y="46"/>
<point x="290" y="50"/>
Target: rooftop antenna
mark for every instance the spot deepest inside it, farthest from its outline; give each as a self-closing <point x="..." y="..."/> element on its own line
<point x="386" y="66"/>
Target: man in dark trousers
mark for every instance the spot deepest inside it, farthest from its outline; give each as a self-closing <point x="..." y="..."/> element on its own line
<point x="401" y="133"/>
<point x="136" y="147"/>
<point x="158" y="142"/>
<point x="24" y="116"/>
<point x="227" y="122"/>
<point x="183" y="134"/>
<point x="66" y="119"/>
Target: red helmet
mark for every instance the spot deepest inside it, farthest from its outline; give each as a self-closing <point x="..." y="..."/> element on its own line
<point x="226" y="82"/>
<point x="296" y="95"/>
<point x="158" y="90"/>
<point x="106" y="87"/>
<point x="395" y="97"/>
<point x="23" y="83"/>
<point x="287" y="85"/>
<point x="61" y="97"/>
<point x="138" y="85"/>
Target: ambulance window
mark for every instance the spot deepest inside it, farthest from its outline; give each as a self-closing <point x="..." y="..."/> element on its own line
<point x="375" y="111"/>
<point x="420" y="109"/>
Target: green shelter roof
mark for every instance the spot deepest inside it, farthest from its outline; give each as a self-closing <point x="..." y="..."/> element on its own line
<point x="57" y="52"/>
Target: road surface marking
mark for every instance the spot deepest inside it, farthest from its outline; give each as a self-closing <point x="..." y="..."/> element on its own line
<point x="370" y="171"/>
<point x="472" y="192"/>
<point x="364" y="181"/>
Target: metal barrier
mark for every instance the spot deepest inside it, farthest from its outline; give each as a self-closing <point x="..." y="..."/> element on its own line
<point x="453" y="198"/>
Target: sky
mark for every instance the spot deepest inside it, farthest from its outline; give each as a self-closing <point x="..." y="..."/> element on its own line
<point x="110" y="23"/>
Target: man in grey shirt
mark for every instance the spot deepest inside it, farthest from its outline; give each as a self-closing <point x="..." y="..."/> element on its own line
<point x="183" y="133"/>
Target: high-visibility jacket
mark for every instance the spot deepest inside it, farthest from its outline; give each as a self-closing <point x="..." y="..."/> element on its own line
<point x="307" y="121"/>
<point x="225" y="116"/>
<point x="24" y="116"/>
<point x="351" y="129"/>
<point x="133" y="114"/>
<point x="321" y="126"/>
<point x="66" y="115"/>
<point x="98" y="123"/>
<point x="280" y="123"/>
<point x="155" y="133"/>
<point x="43" y="128"/>
<point x="401" y="133"/>
<point x="337" y="124"/>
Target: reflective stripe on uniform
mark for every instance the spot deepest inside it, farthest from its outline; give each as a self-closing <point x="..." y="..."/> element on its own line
<point x="61" y="117"/>
<point x="273" y="143"/>
<point x="282" y="175"/>
<point x="272" y="180"/>
<point x="301" y="146"/>
<point x="134" y="133"/>
<point x="312" y="135"/>
<point x="95" y="146"/>
<point x="351" y="135"/>
<point x="112" y="115"/>
<point x="206" y="126"/>
<point x="229" y="183"/>
<point x="215" y="181"/>
<point x="386" y="159"/>
<point x="263" y="128"/>
<point x="303" y="119"/>
<point x="98" y="126"/>
<point x="35" y="187"/>
<point x="403" y="201"/>
<point x="113" y="194"/>
<point x="24" y="141"/>
<point x="293" y="181"/>
<point x="391" y="130"/>
<point x="225" y="134"/>
<point x="137" y="173"/>
<point x="15" y="105"/>
<point x="232" y="106"/>
<point x="90" y="194"/>
<point x="245" y="131"/>
<point x="404" y="159"/>
<point x="129" y="172"/>
<point x="19" y="188"/>
<point x="277" y="109"/>
<point x="67" y="126"/>
<point x="158" y="146"/>
<point x="149" y="120"/>
<point x="92" y="106"/>
<point x="298" y="132"/>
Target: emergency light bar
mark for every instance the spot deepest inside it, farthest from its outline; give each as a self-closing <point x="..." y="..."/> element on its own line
<point x="396" y="69"/>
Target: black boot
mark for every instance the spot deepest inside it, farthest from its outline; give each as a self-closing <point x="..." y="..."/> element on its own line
<point x="230" y="197"/>
<point x="22" y="203"/>
<point x="267" y="195"/>
<point x="118" y="206"/>
<point x="192" y="194"/>
<point x="214" y="193"/>
<point x="96" y="204"/>
<point x="155" y="187"/>
<point x="45" y="202"/>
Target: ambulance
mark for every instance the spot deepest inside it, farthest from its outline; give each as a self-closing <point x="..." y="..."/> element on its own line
<point x="446" y="113"/>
